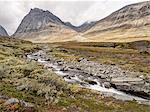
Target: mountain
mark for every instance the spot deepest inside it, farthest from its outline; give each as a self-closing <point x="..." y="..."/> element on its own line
<point x="3" y="32"/>
<point x="86" y="26"/>
<point x="43" y="26"/>
<point x="129" y="23"/>
<point x="82" y="28"/>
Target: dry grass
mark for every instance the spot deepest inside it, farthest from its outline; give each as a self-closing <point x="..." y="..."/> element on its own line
<point x="126" y="55"/>
<point x="119" y="35"/>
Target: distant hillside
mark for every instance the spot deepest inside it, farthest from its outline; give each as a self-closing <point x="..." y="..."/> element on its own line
<point x="82" y="28"/>
<point x="130" y="23"/>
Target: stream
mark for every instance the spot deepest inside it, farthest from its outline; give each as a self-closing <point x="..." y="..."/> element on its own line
<point x="74" y="77"/>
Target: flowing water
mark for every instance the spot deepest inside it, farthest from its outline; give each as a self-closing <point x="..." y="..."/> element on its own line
<point x="75" y="79"/>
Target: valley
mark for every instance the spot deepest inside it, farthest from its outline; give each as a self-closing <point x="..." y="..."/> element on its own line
<point x="43" y="86"/>
<point x="50" y="65"/>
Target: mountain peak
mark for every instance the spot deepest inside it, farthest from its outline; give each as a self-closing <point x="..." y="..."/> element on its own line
<point x="36" y="10"/>
<point x="39" y="24"/>
<point x="37" y="19"/>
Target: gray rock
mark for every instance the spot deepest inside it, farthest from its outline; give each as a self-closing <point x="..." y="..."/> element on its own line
<point x="3" y="32"/>
<point x="11" y="101"/>
<point x="102" y="76"/>
<point x="123" y="86"/>
<point x="80" y="59"/>
<point x="64" y="69"/>
<point x="60" y="63"/>
<point x="21" y="87"/>
<point x="26" y="104"/>
<point x="91" y="82"/>
<point x="107" y="84"/>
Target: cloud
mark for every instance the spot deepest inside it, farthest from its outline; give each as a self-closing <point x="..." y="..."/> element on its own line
<point x="74" y="11"/>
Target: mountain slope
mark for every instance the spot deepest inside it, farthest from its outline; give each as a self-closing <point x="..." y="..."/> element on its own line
<point x="82" y="28"/>
<point x="43" y="26"/>
<point x="130" y="23"/>
<point x="3" y="32"/>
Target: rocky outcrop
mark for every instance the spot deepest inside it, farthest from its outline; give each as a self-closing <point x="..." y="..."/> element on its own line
<point x="3" y="32"/>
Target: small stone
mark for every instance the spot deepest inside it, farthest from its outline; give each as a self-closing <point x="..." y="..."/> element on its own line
<point x="102" y="76"/>
<point x="25" y="104"/>
<point x="141" y="76"/>
<point x="91" y="82"/>
<point x="64" y="69"/>
<point x="80" y="59"/>
<point x="107" y="84"/>
<point x="11" y="101"/>
<point x="21" y="88"/>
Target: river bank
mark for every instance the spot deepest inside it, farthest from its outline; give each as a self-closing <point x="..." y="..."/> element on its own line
<point x="100" y="77"/>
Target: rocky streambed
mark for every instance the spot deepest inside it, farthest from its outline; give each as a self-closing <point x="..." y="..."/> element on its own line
<point x="110" y="80"/>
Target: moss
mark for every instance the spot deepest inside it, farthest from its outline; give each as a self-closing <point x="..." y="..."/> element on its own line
<point x="93" y="105"/>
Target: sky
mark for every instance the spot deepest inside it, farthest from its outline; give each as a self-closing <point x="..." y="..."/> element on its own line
<point x="75" y="11"/>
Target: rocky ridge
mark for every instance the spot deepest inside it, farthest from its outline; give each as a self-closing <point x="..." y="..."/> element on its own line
<point x="82" y="28"/>
<point x="3" y="32"/>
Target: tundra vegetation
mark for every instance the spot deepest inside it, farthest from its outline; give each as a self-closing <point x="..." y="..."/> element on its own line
<point x="44" y="91"/>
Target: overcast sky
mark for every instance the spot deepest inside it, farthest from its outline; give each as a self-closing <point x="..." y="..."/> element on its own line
<point x="74" y="11"/>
